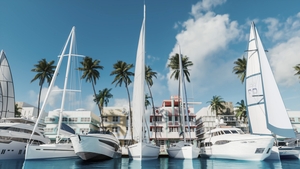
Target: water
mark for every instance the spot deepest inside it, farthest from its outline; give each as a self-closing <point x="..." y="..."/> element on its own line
<point x="160" y="163"/>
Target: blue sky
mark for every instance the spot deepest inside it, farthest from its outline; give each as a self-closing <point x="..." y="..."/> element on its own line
<point x="213" y="34"/>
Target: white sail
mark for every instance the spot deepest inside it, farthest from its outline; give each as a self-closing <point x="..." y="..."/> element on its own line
<point x="266" y="110"/>
<point x="138" y="87"/>
<point x="143" y="150"/>
<point x="7" y="88"/>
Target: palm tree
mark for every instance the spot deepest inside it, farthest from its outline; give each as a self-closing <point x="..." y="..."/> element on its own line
<point x="91" y="74"/>
<point x="147" y="103"/>
<point x="297" y="69"/>
<point x="122" y="75"/>
<point x="102" y="98"/>
<point x="17" y="111"/>
<point x="217" y="104"/>
<point x="240" y="68"/>
<point x="241" y="110"/>
<point x="149" y="74"/>
<point x="44" y="71"/>
<point x="174" y="65"/>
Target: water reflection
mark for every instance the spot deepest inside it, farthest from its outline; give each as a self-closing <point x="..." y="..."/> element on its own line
<point x="161" y="163"/>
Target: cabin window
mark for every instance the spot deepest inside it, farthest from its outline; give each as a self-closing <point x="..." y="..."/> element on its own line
<point x="220" y="142"/>
<point x="3" y="151"/>
<point x="20" y="152"/>
<point x="234" y="132"/>
<point x="259" y="150"/>
<point x="227" y="132"/>
<point x="208" y="144"/>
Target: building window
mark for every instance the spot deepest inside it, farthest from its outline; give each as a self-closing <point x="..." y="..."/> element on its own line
<point x="104" y="118"/>
<point x="173" y="129"/>
<point x="73" y="119"/>
<point x="126" y="128"/>
<point x="85" y="130"/>
<point x="85" y="119"/>
<point x="158" y="129"/>
<point x="298" y="119"/>
<point x="115" y="119"/>
<point x="170" y="118"/>
<point x="65" y="119"/>
<point x="158" y="118"/>
<point x="292" y="119"/>
<point x="115" y="129"/>
<point x="176" y="118"/>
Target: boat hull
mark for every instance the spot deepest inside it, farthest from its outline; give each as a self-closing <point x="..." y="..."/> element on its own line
<point x="289" y="152"/>
<point x="183" y="150"/>
<point x="251" y="149"/>
<point x="143" y="151"/>
<point x="96" y="146"/>
<point x="50" y="151"/>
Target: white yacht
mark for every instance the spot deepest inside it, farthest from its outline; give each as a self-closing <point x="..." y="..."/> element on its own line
<point x="96" y="146"/>
<point x="232" y="143"/>
<point x="14" y="135"/>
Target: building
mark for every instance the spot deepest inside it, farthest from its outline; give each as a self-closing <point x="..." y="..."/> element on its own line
<point x="116" y="119"/>
<point x="166" y="126"/>
<point x="28" y="110"/>
<point x="80" y="120"/>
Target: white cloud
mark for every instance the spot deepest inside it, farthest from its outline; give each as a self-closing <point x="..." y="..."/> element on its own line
<point x="283" y="57"/>
<point x="120" y="102"/>
<point x="203" y="39"/>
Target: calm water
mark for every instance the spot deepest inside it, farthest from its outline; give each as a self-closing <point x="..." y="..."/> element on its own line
<point x="161" y="163"/>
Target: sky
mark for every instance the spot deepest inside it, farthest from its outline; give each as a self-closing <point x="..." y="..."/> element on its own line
<point x="212" y="33"/>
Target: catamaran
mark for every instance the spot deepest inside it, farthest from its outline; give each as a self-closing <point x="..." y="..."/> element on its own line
<point x="143" y="149"/>
<point x="58" y="149"/>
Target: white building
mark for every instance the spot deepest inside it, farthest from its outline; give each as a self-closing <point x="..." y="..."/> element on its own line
<point x="295" y="119"/>
<point x="168" y="126"/>
<point x="79" y="120"/>
<point x="28" y="110"/>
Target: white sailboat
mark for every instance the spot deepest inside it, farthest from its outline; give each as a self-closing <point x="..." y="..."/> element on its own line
<point x="183" y="149"/>
<point x="57" y="149"/>
<point x="7" y="88"/>
<point x="143" y="149"/>
<point x="266" y="111"/>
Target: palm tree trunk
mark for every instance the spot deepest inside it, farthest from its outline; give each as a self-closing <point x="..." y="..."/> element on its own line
<point x="130" y="113"/>
<point x="39" y="101"/>
<point x="99" y="107"/>
<point x="153" y="109"/>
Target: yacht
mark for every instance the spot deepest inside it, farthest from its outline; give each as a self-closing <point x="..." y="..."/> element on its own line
<point x="14" y="135"/>
<point x="231" y="143"/>
<point x="96" y="146"/>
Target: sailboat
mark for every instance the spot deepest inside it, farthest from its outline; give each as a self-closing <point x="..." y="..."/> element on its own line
<point x="183" y="149"/>
<point x="14" y="131"/>
<point x="266" y="111"/>
<point x="57" y="149"/>
<point x="7" y="88"/>
<point x="143" y="149"/>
